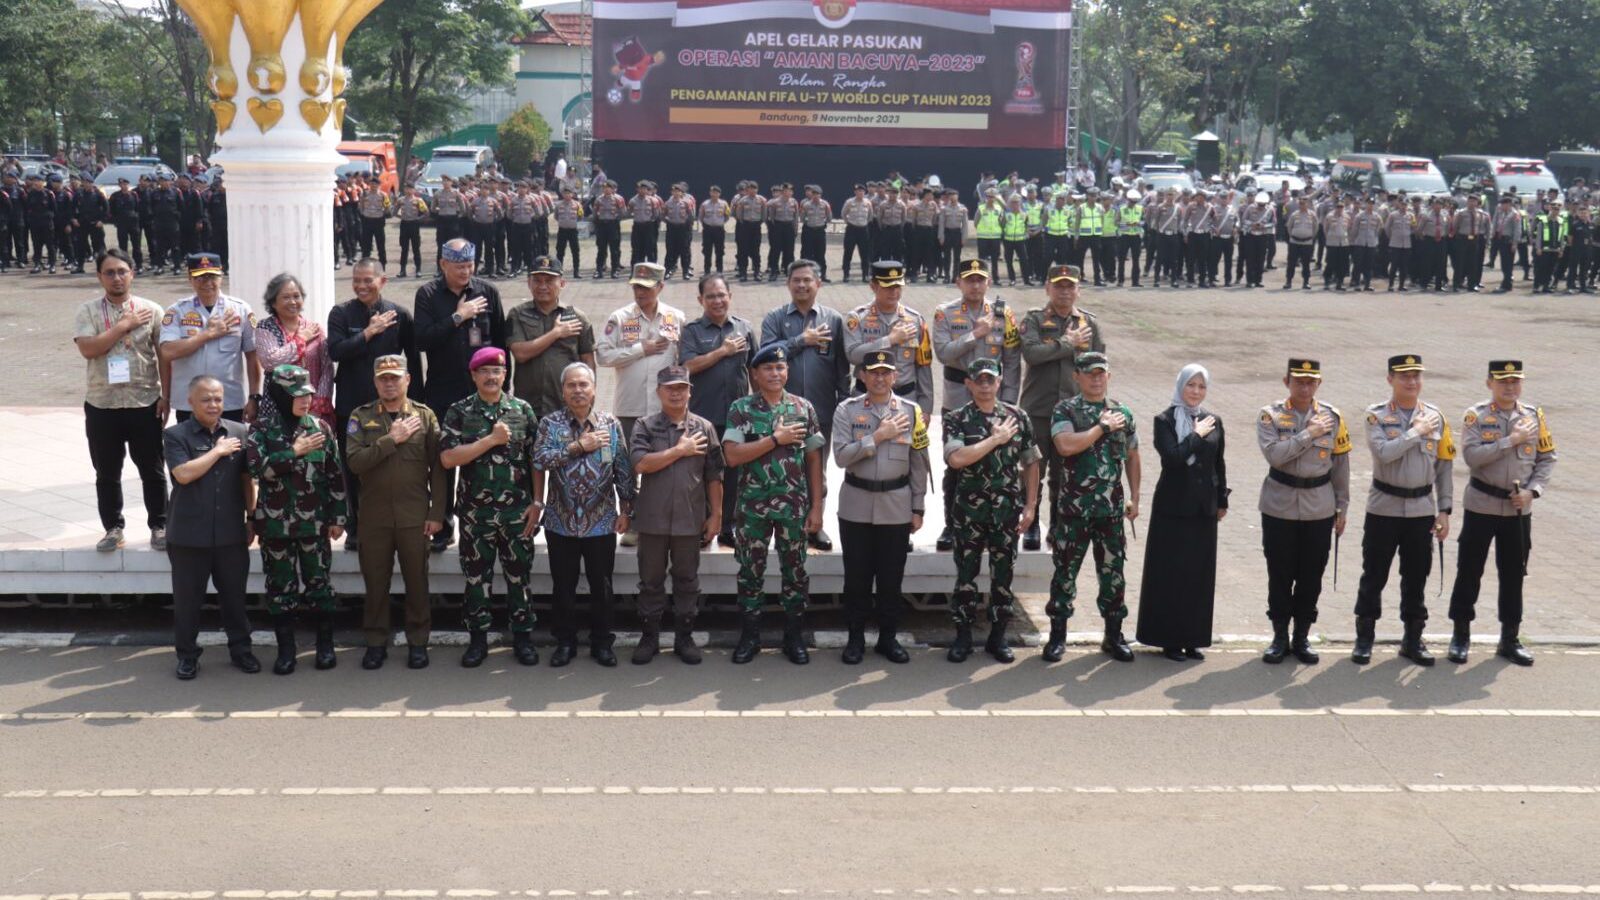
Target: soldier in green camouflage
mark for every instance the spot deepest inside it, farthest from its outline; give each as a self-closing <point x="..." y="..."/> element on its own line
<point x="986" y="442"/>
<point x="489" y="436"/>
<point x="1098" y="440"/>
<point x="300" y="509"/>
<point x="776" y="440"/>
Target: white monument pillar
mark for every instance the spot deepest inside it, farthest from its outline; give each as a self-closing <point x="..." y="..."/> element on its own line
<point x="279" y="116"/>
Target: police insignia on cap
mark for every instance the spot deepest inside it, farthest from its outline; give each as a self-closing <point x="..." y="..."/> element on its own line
<point x="878" y="359"/>
<point x="888" y="273"/>
<point x="1409" y="362"/>
<point x="1065" y="273"/>
<point x="973" y="268"/>
<point x="1305" y="368"/>
<point x="1501" y="369"/>
<point x="774" y="352"/>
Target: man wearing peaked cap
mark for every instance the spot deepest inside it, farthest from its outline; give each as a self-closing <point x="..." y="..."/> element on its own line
<point x="777" y="439"/>
<point x="881" y="442"/>
<point x="1408" y="506"/>
<point x="815" y="214"/>
<point x="783" y="211"/>
<point x="211" y="333"/>
<point x="1303" y="503"/>
<point x="1510" y="456"/>
<point x="544" y="337"/>
<point x="887" y="324"/>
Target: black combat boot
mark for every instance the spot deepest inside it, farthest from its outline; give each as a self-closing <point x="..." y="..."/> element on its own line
<point x="946" y="541"/>
<point x="1511" y="645"/>
<point x="1460" y="642"/>
<point x="1366" y="634"/>
<point x="961" y="647"/>
<point x="649" y="643"/>
<point x="283" y="627"/>
<point x="1279" y="648"/>
<point x="1412" y="647"/>
<point x="888" y="645"/>
<point x="683" y="640"/>
<point x="749" y="637"/>
<point x="794" y="641"/>
<point x="522" y="648"/>
<point x="1056" y="646"/>
<point x="855" y="646"/>
<point x="996" y="645"/>
<point x="477" y="648"/>
<point x="1301" y="645"/>
<point x="325" y="658"/>
<point x="1113" y="644"/>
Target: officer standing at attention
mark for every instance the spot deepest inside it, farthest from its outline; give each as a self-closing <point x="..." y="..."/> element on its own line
<point x="881" y="442"/>
<point x="1303" y="502"/>
<point x="447" y="209"/>
<point x="815" y="214"/>
<point x="489" y="436"/>
<point x="90" y="211"/>
<point x="777" y="439"/>
<point x="645" y="209"/>
<point x="886" y="324"/>
<point x="1098" y="440"/>
<point x="782" y="213"/>
<point x="967" y="328"/>
<point x="1052" y="338"/>
<point x="986" y="442"/>
<point x="713" y="215"/>
<point x="567" y="212"/>
<point x="217" y="220"/>
<point x="1510" y="454"/>
<point x="1303" y="228"/>
<point x="857" y="214"/>
<point x="1412" y="452"/>
<point x="392" y="444"/>
<point x="411" y="210"/>
<point x="678" y="212"/>
<point x="545" y="337"/>
<point x="989" y="227"/>
<point x="952" y="234"/>
<point x="608" y="211"/>
<point x="39" y="210"/>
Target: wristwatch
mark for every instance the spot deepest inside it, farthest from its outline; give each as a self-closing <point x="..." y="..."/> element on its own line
<point x="455" y="318"/>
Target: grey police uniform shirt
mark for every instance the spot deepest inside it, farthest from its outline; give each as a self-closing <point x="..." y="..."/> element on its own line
<point x="679" y="211"/>
<point x="1508" y="226"/>
<point x="1290" y="448"/>
<point x="856" y="212"/>
<point x="447" y="203"/>
<point x="953" y="217"/>
<point x="815" y="213"/>
<point x="1364" y="228"/>
<point x="855" y="450"/>
<point x="750" y="208"/>
<point x="568" y="212"/>
<point x="1494" y="460"/>
<point x="1405" y="459"/>
<point x="373" y="204"/>
<point x="223" y="358"/>
<point x="956" y="348"/>
<point x="1398" y="226"/>
<point x="1302" y="226"/>
<point x="866" y="329"/>
<point x="1257" y="219"/>
<point x="1336" y="229"/>
<point x="715" y="213"/>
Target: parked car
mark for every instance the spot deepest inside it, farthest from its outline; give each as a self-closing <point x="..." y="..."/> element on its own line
<point x="106" y="181"/>
<point x="1372" y="173"/>
<point x="454" y="162"/>
<point x="1498" y="174"/>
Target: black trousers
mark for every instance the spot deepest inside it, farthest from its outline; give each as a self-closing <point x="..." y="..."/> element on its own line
<point x="597" y="556"/>
<point x="1361" y="260"/>
<point x="1017" y="250"/>
<point x="1253" y="247"/>
<point x="891" y="243"/>
<point x="989" y="252"/>
<point x="1221" y="251"/>
<point x="713" y="242"/>
<point x="1399" y="265"/>
<point x="1578" y="256"/>
<point x="950" y="252"/>
<point x="374" y="232"/>
<point x="1507" y="256"/>
<point x="814" y="245"/>
<point x="567" y="239"/>
<point x="227" y="568"/>
<point x="1512" y="537"/>
<point x="1468" y="262"/>
<point x="19" y="241"/>
<point x="1037" y="259"/>
<point x="91" y="241"/>
<point x="519" y="245"/>
<point x="1544" y="268"/>
<point x="541" y="236"/>
<point x="678" y="248"/>
<point x="1382" y="537"/>
<point x="780" y="247"/>
<point x="747" y="247"/>
<point x="445" y="228"/>
<point x="44" y="243"/>
<point x="856" y="243"/>
<point x="1297" y="555"/>
<point x="411" y="244"/>
<point x="1129" y="245"/>
<point x="874" y="557"/>
<point x="643" y="242"/>
<point x="128" y="239"/>
<point x="1299" y="255"/>
<point x="1199" y="259"/>
<point x="136" y="432"/>
<point x="607" y="240"/>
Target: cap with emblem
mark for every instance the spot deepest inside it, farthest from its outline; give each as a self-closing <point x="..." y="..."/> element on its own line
<point x="983" y="366"/>
<point x="1501" y="369"/>
<point x="391" y="365"/>
<point x="647" y="274"/>
<point x="544" y="265"/>
<point x="487" y="356"/>
<point x="878" y="359"/>
<point x="203" y="264"/>
<point x="295" y="381"/>
<point x="888" y="273"/>
<point x="1409" y="362"/>
<point x="1093" y="361"/>
<point x="672" y="375"/>
<point x="774" y="352"/>
<point x="1305" y="368"/>
<point x="1064" y="273"/>
<point x="972" y="268"/>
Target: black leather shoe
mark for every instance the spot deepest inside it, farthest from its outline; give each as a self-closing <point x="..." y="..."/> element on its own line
<point x="477" y="649"/>
<point x="1300" y="646"/>
<point x="374" y="658"/>
<point x="888" y="645"/>
<point x="996" y="645"/>
<point x="1113" y="644"/>
<point x="246" y="662"/>
<point x="1030" y="541"/>
<point x="749" y="638"/>
<point x="1056" y="646"/>
<point x="601" y="652"/>
<point x="564" y="652"/>
<point x="417" y="657"/>
<point x="1175" y="654"/>
<point x="946" y="541"/>
<point x="1193" y="653"/>
<point x="1279" y="648"/>
<point x="522" y="648"/>
<point x="284" y="664"/>
<point x="726" y="539"/>
<point x="1511" y="647"/>
<point x="187" y="669"/>
<point x="440" y="543"/>
<point x="794" y="642"/>
<point x="1412" y="647"/>
<point x="1366" y="634"/>
<point x="855" y="647"/>
<point x="325" y="658"/>
<point x="820" y="540"/>
<point x="961" y="647"/>
<point x="1460" y="643"/>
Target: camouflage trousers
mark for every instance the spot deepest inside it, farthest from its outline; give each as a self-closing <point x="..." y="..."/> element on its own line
<point x="751" y="531"/>
<point x="481" y="544"/>
<point x="996" y="533"/>
<point x="296" y="574"/>
<point x="1070" y="539"/>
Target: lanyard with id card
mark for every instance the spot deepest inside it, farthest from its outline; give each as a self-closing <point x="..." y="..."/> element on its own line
<point x="119" y="369"/>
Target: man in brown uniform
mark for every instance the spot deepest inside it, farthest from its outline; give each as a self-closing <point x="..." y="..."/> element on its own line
<point x="393" y="446"/>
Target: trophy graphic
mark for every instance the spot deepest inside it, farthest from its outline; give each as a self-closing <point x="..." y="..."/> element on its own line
<point x="1025" y="97"/>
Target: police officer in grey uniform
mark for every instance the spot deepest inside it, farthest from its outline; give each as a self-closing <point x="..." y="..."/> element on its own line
<point x="1408" y="506"/>
<point x="714" y="214"/>
<point x="374" y="206"/>
<point x="1511" y="454"/>
<point x="1303" y="229"/>
<point x="815" y="213"/>
<point x="888" y="324"/>
<point x="857" y="214"/>
<point x="568" y="212"/>
<point x="1303" y="502"/>
<point x="881" y="442"/>
<point x="973" y="326"/>
<point x="447" y="209"/>
<point x="678" y="214"/>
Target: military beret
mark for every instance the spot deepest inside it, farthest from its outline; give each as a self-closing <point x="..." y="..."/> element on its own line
<point x="775" y="352"/>
<point x="487" y="356"/>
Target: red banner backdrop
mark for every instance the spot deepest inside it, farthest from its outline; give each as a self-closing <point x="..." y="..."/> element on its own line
<point x="936" y="73"/>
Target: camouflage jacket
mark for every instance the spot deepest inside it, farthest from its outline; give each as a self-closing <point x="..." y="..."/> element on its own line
<point x="1091" y="486"/>
<point x="297" y="496"/>
<point x="774" y="484"/>
<point x="998" y="476"/>
<point x="497" y="486"/>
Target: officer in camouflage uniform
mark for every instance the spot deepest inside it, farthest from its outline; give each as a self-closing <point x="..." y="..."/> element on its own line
<point x="300" y="509"/>
<point x="776" y="439"/>
<point x="985" y="442"/>
<point x="1098" y="439"/>
<point x="489" y="436"/>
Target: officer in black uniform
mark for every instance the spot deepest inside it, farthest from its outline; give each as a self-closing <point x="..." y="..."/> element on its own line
<point x="216" y="205"/>
<point x="7" y="202"/>
<point x="123" y="208"/>
<point x="90" y="232"/>
<point x="16" y="223"/>
<point x="65" y="213"/>
<point x="39" y="208"/>
<point x="166" y="247"/>
<point x="191" y="216"/>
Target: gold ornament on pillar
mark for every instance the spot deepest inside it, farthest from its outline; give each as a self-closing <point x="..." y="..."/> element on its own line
<point x="324" y="24"/>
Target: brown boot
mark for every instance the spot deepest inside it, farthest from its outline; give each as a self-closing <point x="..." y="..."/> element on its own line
<point x="649" y="644"/>
<point x="683" y="645"/>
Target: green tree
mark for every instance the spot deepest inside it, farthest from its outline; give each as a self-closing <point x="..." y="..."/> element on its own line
<point x="524" y="138"/>
<point x="412" y="61"/>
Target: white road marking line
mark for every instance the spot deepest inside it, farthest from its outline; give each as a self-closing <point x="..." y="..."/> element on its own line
<point x="1132" y="889"/>
<point x="1064" y="713"/>
<point x="168" y="793"/>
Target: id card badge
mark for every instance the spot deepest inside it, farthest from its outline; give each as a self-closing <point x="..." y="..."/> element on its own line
<point x="474" y="336"/>
<point x="117" y="369"/>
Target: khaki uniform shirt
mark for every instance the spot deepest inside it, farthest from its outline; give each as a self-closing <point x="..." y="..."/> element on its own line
<point x="858" y="454"/>
<point x="1406" y="460"/>
<point x="538" y="380"/>
<point x="1289" y="447"/>
<point x="402" y="485"/>
<point x="956" y="348"/>
<point x="866" y="329"/>
<point x="856" y="212"/>
<point x="622" y="348"/>
<point x="715" y="213"/>
<point x="1491" y="457"/>
<point x="1051" y="361"/>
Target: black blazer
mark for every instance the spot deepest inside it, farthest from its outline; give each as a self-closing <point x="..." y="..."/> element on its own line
<point x="1199" y="489"/>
